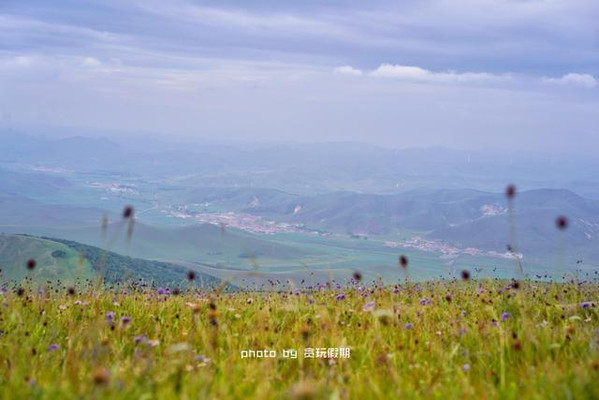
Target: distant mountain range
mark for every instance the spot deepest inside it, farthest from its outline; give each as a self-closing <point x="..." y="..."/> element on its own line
<point x="64" y="188"/>
<point x="303" y="168"/>
<point x="465" y="218"/>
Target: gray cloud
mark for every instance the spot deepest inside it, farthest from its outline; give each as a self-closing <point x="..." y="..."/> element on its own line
<point x="456" y="73"/>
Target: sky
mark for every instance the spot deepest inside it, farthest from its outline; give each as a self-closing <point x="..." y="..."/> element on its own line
<point x="456" y="73"/>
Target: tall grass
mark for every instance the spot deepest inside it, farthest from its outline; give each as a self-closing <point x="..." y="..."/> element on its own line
<point x="461" y="339"/>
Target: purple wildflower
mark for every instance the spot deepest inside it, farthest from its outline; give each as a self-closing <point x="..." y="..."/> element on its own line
<point x="425" y="301"/>
<point x="505" y="316"/>
<point x="140" y="339"/>
<point x="53" y="347"/>
<point x="368" y="306"/>
<point x="162" y="291"/>
<point x="466" y="367"/>
<point x="125" y="320"/>
<point x="408" y="326"/>
<point x="587" y="304"/>
<point x="110" y="317"/>
<point x="340" y="296"/>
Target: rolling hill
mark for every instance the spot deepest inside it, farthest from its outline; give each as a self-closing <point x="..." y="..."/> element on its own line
<point x="465" y="217"/>
<point x="68" y="261"/>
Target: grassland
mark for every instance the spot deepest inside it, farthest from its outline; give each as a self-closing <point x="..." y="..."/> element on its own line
<point x="460" y="339"/>
<point x="56" y="261"/>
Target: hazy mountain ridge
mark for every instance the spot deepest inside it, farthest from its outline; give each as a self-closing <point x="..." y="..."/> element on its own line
<point x="461" y="217"/>
<point x="64" y="187"/>
<point x="306" y="169"/>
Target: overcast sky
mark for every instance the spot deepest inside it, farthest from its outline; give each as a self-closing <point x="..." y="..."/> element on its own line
<point x="459" y="73"/>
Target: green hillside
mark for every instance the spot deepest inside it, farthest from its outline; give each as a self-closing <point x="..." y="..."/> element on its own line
<point x="68" y="261"/>
<point x="203" y="243"/>
<point x="54" y="260"/>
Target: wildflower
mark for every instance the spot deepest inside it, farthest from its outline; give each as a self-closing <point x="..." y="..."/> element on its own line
<point x="163" y="291"/>
<point x="126" y="320"/>
<point x="31" y="263"/>
<point x="424" y="302"/>
<point x="510" y="191"/>
<point x="110" y="316"/>
<point x="587" y="304"/>
<point x="53" y="347"/>
<point x="517" y="345"/>
<point x="127" y="212"/>
<point x="480" y="290"/>
<point x="466" y="367"/>
<point x="403" y="261"/>
<point x="368" y="306"/>
<point x="408" y="326"/>
<point x="561" y="222"/>
<point x="340" y="296"/>
<point x="305" y="332"/>
<point x="505" y="316"/>
<point x="191" y="276"/>
<point x="140" y="339"/>
<point x="101" y="376"/>
<point x="202" y="358"/>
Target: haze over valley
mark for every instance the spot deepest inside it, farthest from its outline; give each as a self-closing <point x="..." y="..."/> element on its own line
<point x="258" y="211"/>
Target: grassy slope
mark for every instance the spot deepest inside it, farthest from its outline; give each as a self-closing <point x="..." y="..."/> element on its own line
<point x="199" y="243"/>
<point x="76" y="261"/>
<point x="65" y="265"/>
<point x="546" y="348"/>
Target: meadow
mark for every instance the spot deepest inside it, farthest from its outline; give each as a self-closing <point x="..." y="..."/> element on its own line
<point x="445" y="339"/>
